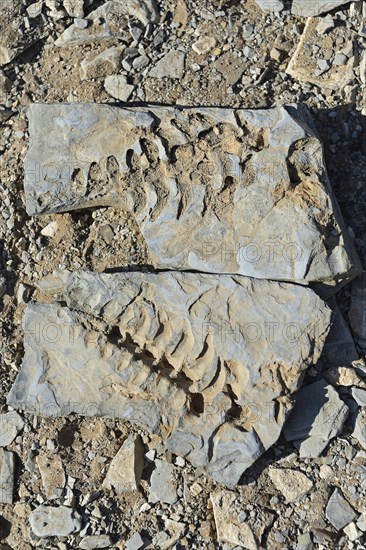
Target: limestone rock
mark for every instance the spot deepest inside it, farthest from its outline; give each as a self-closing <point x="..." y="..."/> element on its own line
<point x="318" y="416"/>
<point x="311" y="8"/>
<point x="11" y="423"/>
<point x="169" y="66"/>
<point x="51" y="521"/>
<point x="338" y="512"/>
<point x="163" y="485"/>
<point x="116" y="85"/>
<point x="339" y="347"/>
<point x="6" y="477"/>
<point x="53" y="475"/>
<point x="270" y="6"/>
<point x="241" y="192"/>
<point x="292" y="484"/>
<point x="92" y="542"/>
<point x="125" y="470"/>
<point x="228" y="526"/>
<point x="359" y="431"/>
<point x="108" y="21"/>
<point x="103" y="64"/>
<point x="174" y="353"/>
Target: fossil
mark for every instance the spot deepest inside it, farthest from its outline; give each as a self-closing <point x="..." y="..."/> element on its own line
<point x="213" y="190"/>
<point x="207" y="362"/>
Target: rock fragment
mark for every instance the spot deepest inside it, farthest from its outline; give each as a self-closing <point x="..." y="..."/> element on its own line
<point x="292" y="483"/>
<point x="125" y="470"/>
<point x="229" y="528"/>
<point x="338" y="511"/>
<point x="169" y="66"/>
<point x="51" y="521"/>
<point x="244" y="204"/>
<point x="357" y="311"/>
<point x="204" y="44"/>
<point x="92" y="542"/>
<point x="271" y="6"/>
<point x="311" y="8"/>
<point x="339" y="347"/>
<point x="209" y="343"/>
<point x="53" y="475"/>
<point x="352" y="532"/>
<point x="6" y="476"/>
<point x="163" y="485"/>
<point x="103" y="64"/>
<point x="11" y="423"/>
<point x="359" y="431"/>
<point x="318" y="416"/>
<point x="117" y="86"/>
<point x="135" y="542"/>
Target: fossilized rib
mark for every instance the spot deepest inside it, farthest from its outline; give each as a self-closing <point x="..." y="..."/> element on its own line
<point x="208" y="362"/>
<point x="213" y="190"/>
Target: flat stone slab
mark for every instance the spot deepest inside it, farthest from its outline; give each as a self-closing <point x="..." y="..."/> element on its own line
<point x="207" y="362"/>
<point x="310" y="8"/>
<point x="214" y="190"/>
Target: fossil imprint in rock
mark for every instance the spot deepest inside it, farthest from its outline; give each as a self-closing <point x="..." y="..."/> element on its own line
<point x="213" y="190"/>
<point x="207" y="362"/>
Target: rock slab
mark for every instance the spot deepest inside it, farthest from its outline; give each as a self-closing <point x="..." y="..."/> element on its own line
<point x="125" y="470"/>
<point x="6" y="476"/>
<point x="174" y="353"/>
<point x="52" y="521"/>
<point x="240" y="191"/>
<point x="338" y="511"/>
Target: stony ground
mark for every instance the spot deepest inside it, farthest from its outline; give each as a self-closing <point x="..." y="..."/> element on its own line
<point x="227" y="53"/>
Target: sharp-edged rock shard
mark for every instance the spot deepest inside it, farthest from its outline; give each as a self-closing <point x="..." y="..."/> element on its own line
<point x="207" y="362"/>
<point x="213" y="190"/>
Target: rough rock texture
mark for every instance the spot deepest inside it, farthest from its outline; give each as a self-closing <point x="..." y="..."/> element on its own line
<point x="53" y="475"/>
<point x="357" y="311"/>
<point x="256" y="179"/>
<point x="11" y="423"/>
<point x="6" y="476"/>
<point x="229" y="527"/>
<point x="292" y="484"/>
<point x="310" y="8"/>
<point x="125" y="470"/>
<point x="208" y="362"/>
<point x="318" y="416"/>
<point x="339" y="347"/>
<point x="108" y="21"/>
<point x="52" y="521"/>
<point x="338" y="511"/>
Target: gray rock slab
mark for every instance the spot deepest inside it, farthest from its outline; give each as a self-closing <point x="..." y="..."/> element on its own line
<point x="240" y="191"/>
<point x="163" y="484"/>
<point x="338" y="511"/>
<point x="175" y="353"/>
<point x="125" y="471"/>
<point x="312" y="8"/>
<point x="52" y="521"/>
<point x="92" y="542"/>
<point x="169" y="66"/>
<point x="271" y="6"/>
<point x="359" y="431"/>
<point x="6" y="476"/>
<point x="359" y="395"/>
<point x="11" y="423"/>
<point x="318" y="416"/>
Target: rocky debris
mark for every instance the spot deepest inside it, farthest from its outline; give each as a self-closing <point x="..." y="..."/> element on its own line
<point x="311" y="8"/>
<point x="169" y="66"/>
<point x="11" y="424"/>
<point x="103" y="64"/>
<point x="6" y="476"/>
<point x="125" y="471"/>
<point x="163" y="485"/>
<point x="53" y="475"/>
<point x="135" y="542"/>
<point x="344" y="376"/>
<point x="117" y="86"/>
<point x="52" y="521"/>
<point x="338" y="511"/>
<point x="230" y="528"/>
<point x="292" y="483"/>
<point x="359" y="431"/>
<point x="178" y="220"/>
<point x="339" y="347"/>
<point x="357" y="310"/>
<point x="191" y="347"/>
<point x="318" y="416"/>
<point x="306" y="66"/>
<point x="92" y="542"/>
<point x="109" y="21"/>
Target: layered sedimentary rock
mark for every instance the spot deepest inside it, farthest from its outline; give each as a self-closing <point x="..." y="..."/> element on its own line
<point x="213" y="190"/>
<point x="207" y="362"/>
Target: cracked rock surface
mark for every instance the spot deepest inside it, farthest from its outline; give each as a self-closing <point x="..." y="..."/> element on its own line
<point x="214" y="190"/>
<point x="207" y="362"/>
